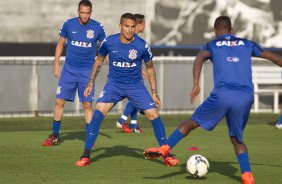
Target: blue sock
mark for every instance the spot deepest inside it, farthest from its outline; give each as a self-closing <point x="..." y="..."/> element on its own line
<point x="93" y="129"/>
<point x="122" y="119"/>
<point x="133" y="114"/>
<point x="86" y="126"/>
<point x="159" y="130"/>
<point x="280" y="119"/>
<point x="56" y="125"/>
<point x="133" y="117"/>
<point x="174" y="138"/>
<point x="243" y="160"/>
<point x="128" y="110"/>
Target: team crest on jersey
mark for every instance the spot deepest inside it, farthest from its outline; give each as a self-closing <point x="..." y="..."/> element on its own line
<point x="132" y="54"/>
<point x="90" y="33"/>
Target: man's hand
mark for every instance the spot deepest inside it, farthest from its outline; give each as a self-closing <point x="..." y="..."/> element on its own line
<point x="157" y="100"/>
<point x="195" y="92"/>
<point x="88" y="89"/>
<point x="56" y="69"/>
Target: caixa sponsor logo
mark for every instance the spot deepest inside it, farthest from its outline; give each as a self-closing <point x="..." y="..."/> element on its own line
<point x="230" y="43"/>
<point x="124" y="64"/>
<point x="232" y="59"/>
<point x="81" y="44"/>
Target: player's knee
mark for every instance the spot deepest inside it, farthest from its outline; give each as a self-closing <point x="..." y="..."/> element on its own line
<point x="87" y="106"/>
<point x="239" y="147"/>
<point x="60" y="103"/>
<point x="152" y="114"/>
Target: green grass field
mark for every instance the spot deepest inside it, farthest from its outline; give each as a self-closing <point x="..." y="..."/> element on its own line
<point x="117" y="157"/>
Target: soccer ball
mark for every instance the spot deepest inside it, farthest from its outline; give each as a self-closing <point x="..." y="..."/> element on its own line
<point x="197" y="165"/>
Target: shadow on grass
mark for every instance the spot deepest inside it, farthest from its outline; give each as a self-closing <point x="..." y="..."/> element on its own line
<point x="78" y="135"/>
<point x="106" y="152"/>
<point x="222" y="168"/>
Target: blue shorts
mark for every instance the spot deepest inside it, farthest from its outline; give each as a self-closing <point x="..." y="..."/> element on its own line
<point x="233" y="104"/>
<point x="137" y="94"/>
<point x="71" y="80"/>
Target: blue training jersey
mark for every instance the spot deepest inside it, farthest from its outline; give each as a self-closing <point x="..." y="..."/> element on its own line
<point x="82" y="42"/>
<point x="125" y="60"/>
<point x="231" y="57"/>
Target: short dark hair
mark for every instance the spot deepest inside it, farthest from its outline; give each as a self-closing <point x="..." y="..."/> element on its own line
<point x="139" y="17"/>
<point x="85" y="3"/>
<point x="223" y="22"/>
<point x="127" y="16"/>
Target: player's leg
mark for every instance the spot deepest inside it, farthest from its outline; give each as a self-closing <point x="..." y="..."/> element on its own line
<point x="134" y="124"/>
<point x="160" y="134"/>
<point x="65" y="91"/>
<point x="207" y="115"/>
<point x="131" y="110"/>
<point x="88" y="113"/>
<point x="53" y="139"/>
<point x="237" y="118"/>
<point x="86" y="101"/>
<point x="158" y="125"/>
<point x="133" y="119"/>
<point x="121" y="123"/>
<point x="58" y="114"/>
<point x="279" y="123"/>
<point x="92" y="132"/>
<point x="107" y="99"/>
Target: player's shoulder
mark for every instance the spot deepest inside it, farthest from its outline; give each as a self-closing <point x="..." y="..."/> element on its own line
<point x="72" y="20"/>
<point x="112" y="38"/>
<point x="96" y="23"/>
<point x="140" y="42"/>
<point x="139" y="39"/>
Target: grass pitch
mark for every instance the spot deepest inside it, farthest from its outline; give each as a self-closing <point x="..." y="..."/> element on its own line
<point x="117" y="157"/>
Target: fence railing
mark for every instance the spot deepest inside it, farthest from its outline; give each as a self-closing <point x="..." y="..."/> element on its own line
<point x="28" y="86"/>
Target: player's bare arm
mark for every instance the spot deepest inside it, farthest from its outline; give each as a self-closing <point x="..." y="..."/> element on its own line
<point x="58" y="53"/>
<point x="197" y="68"/>
<point x="95" y="71"/>
<point x="152" y="79"/>
<point x="276" y="59"/>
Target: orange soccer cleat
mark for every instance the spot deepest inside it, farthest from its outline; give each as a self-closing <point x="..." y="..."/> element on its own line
<point x="51" y="140"/>
<point x="82" y="162"/>
<point x="137" y="130"/>
<point x="170" y="160"/>
<point x="152" y="153"/>
<point x="125" y="128"/>
<point x="247" y="178"/>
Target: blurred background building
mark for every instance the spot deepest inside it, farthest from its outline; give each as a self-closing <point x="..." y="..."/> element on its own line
<point x="177" y="22"/>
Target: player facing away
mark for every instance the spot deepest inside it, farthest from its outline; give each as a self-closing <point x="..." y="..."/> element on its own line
<point x="130" y="109"/>
<point x="82" y="35"/>
<point x="232" y="96"/>
<point x="126" y="51"/>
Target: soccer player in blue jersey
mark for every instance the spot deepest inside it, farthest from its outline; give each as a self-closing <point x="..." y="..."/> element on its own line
<point x="232" y="96"/>
<point x="126" y="52"/>
<point x="129" y="108"/>
<point x="82" y="34"/>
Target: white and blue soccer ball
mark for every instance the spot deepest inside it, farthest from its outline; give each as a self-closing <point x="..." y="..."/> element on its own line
<point x="198" y="165"/>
